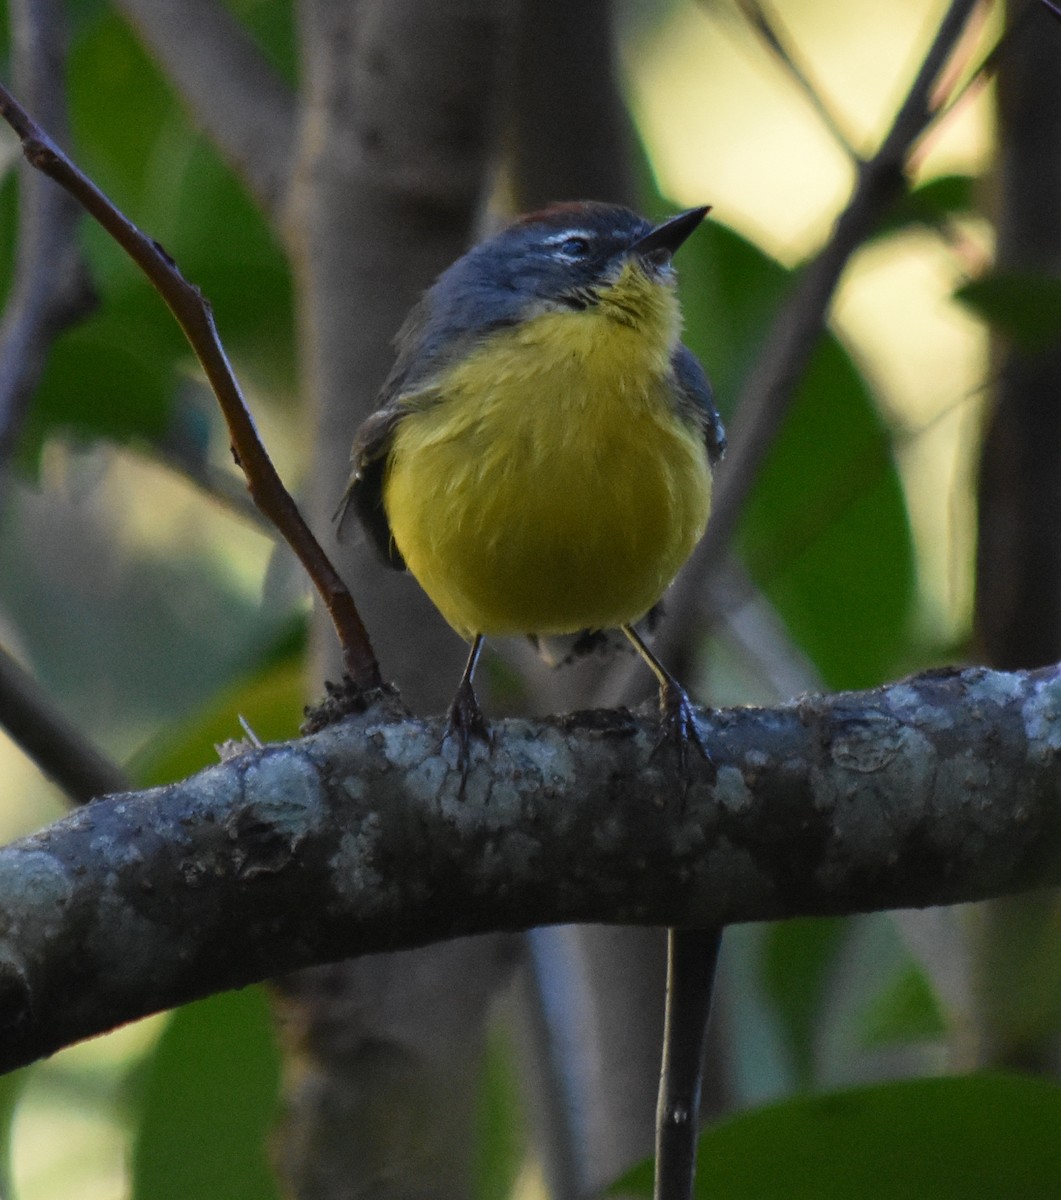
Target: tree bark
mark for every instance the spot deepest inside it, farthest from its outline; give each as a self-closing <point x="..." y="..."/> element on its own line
<point x="400" y="99"/>
<point x="939" y="789"/>
<point x="1018" y="600"/>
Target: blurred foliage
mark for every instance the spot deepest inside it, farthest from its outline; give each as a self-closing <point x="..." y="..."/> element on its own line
<point x="270" y="701"/>
<point x="272" y="23"/>
<point x="933" y="204"/>
<point x="209" y="1096"/>
<point x="114" y="374"/>
<point x="8" y="229"/>
<point x="106" y="616"/>
<point x="798" y="958"/>
<point x="829" y="488"/>
<point x="11" y="1086"/>
<point x="936" y="1139"/>
<point x="1023" y="307"/>
<point x="908" y="1010"/>
<point x="500" y="1123"/>
<point x="1018" y="940"/>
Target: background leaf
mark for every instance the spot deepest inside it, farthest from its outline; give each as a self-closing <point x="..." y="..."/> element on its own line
<point x="271" y="700"/>
<point x="798" y="958"/>
<point x="11" y="1087"/>
<point x="825" y="533"/>
<point x="1024" y="307"/>
<point x="209" y="1100"/>
<point x="936" y="1139"/>
<point x="906" y="1011"/>
<point x="501" y="1122"/>
<point x="931" y="203"/>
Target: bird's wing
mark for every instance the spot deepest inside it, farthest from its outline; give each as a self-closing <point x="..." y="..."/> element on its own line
<point x="368" y="465"/>
<point x="404" y="390"/>
<point x="698" y="402"/>
<point x="427" y="344"/>
<point x="364" y="493"/>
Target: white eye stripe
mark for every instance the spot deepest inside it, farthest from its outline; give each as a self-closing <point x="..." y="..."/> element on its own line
<point x="564" y="235"/>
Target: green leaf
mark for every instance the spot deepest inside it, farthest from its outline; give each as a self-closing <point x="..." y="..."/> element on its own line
<point x="101" y="380"/>
<point x="500" y="1122"/>
<point x="272" y="25"/>
<point x="825" y="532"/>
<point x="118" y="102"/>
<point x="931" y="204"/>
<point x="8" y="229"/>
<point x="730" y="290"/>
<point x="906" y="1011"/>
<point x="1025" y="307"/>
<point x="114" y="375"/>
<point x="1018" y="951"/>
<point x="209" y="1102"/>
<point x="11" y="1088"/>
<point x="798" y="958"/>
<point x="271" y="701"/>
<point x="933" y="1139"/>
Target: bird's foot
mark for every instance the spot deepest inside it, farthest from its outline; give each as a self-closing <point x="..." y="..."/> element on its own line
<point x="466" y="724"/>
<point x="678" y="728"/>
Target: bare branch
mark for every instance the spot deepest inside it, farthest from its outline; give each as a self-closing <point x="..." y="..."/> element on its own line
<point x="765" y="25"/>
<point x="692" y="959"/>
<point x="51" y="288"/>
<point x="55" y="745"/>
<point x="195" y="318"/>
<point x="939" y="789"/>
<point x="243" y="105"/>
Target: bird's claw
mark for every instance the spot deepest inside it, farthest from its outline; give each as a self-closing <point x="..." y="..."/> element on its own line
<point x="466" y="724"/>
<point x="678" y="728"/>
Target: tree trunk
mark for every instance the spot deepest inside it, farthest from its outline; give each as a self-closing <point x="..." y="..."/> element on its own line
<point x="1018" y="603"/>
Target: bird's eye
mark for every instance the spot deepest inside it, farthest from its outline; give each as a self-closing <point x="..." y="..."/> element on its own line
<point x="574" y="247"/>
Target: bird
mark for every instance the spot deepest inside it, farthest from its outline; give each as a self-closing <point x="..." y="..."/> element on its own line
<point x="542" y="452"/>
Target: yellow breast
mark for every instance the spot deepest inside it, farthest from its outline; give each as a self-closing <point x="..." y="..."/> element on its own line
<point x="553" y="487"/>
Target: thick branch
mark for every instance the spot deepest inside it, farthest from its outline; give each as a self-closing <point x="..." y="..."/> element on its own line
<point x="939" y="789"/>
<point x="246" y="109"/>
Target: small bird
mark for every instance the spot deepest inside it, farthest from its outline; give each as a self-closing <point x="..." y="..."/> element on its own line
<point x="542" y="452"/>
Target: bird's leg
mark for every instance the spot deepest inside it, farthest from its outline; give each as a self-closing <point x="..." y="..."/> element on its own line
<point x="677" y="720"/>
<point x="466" y="720"/>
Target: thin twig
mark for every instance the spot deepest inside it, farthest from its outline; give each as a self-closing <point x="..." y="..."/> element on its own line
<point x="692" y="956"/>
<point x="51" y="287"/>
<point x="766" y="25"/>
<point x="981" y="75"/>
<point x="61" y="751"/>
<point x="195" y="318"/>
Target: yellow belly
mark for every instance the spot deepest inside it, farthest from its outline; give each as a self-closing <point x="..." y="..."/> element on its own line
<point x="539" y="496"/>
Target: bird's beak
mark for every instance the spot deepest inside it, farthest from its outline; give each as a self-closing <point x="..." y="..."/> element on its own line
<point x="664" y="240"/>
